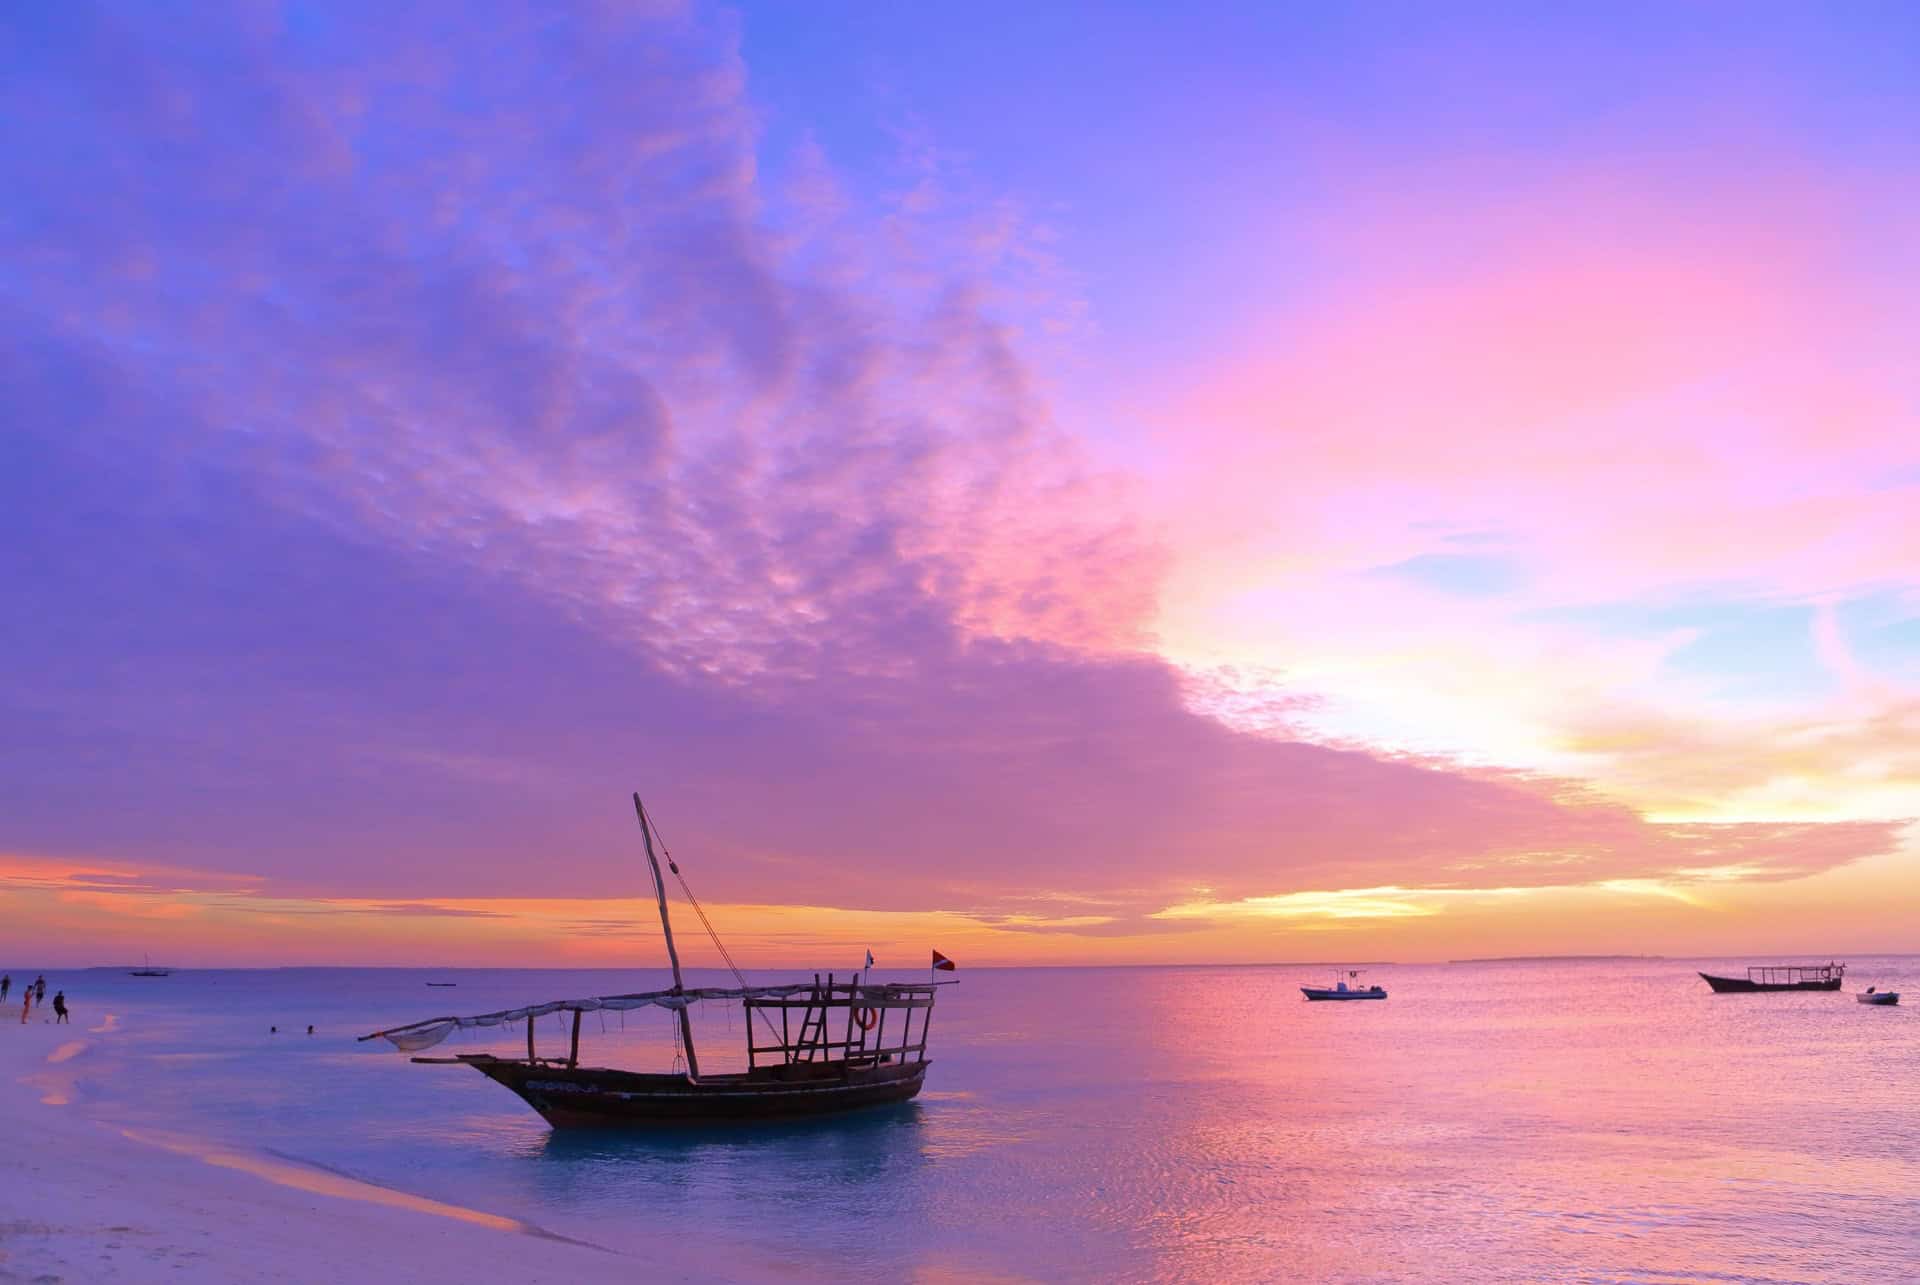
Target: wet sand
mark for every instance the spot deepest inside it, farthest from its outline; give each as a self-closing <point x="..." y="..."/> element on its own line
<point x="85" y="1199"/>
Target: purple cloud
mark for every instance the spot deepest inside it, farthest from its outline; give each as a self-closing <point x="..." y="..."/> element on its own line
<point x="420" y="432"/>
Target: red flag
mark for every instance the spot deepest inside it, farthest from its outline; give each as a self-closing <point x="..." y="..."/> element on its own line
<point x="942" y="963"/>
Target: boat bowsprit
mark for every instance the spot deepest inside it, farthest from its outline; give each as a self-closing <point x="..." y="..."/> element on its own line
<point x="1347" y="987"/>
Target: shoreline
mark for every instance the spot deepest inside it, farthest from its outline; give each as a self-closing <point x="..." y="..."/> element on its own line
<point x="92" y="1200"/>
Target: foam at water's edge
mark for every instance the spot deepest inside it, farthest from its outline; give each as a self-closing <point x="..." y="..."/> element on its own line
<point x="289" y="1172"/>
<point x="67" y="1052"/>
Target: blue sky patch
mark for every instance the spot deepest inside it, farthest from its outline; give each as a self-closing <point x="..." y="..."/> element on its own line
<point x="1470" y="575"/>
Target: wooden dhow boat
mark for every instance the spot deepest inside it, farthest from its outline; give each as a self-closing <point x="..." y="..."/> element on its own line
<point x="830" y="1045"/>
<point x="1781" y="977"/>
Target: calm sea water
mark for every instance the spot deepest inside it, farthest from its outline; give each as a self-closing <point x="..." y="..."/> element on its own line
<point x="1526" y="1121"/>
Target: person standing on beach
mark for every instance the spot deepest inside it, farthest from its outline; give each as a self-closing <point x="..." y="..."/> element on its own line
<point x="26" y="1004"/>
<point x="40" y="989"/>
<point x="60" y="1008"/>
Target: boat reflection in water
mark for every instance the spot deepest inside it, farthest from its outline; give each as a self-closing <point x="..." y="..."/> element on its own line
<point x="830" y="1046"/>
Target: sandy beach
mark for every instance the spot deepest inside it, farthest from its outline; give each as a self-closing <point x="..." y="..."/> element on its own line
<point x="86" y="1199"/>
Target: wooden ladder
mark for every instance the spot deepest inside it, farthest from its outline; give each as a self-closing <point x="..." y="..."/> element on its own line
<point x="813" y="1027"/>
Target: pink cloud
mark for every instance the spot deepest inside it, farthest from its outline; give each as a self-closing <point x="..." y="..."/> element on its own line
<point x="1614" y="374"/>
<point x="424" y="495"/>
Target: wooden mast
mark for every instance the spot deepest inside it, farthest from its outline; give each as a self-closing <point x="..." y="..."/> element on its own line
<point x="666" y="926"/>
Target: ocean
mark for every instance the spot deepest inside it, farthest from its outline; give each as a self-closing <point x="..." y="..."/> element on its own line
<point x="1527" y="1121"/>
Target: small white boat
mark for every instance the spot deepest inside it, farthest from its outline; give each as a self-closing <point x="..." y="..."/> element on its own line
<point x="1872" y="996"/>
<point x="1342" y="990"/>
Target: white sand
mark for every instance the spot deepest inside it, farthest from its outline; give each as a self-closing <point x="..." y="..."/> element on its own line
<point x="83" y="1200"/>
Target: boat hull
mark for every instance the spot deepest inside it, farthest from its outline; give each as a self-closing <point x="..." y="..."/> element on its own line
<point x="1742" y="985"/>
<point x="1323" y="993"/>
<point x="588" y="1097"/>
<point x="1882" y="998"/>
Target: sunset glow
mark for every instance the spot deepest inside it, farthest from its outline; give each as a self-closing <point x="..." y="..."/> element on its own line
<point x="981" y="494"/>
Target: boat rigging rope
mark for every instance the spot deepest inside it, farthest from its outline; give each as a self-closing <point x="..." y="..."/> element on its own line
<point x="705" y="922"/>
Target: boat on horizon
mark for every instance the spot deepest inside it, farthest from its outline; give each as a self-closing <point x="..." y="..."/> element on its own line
<point x="843" y="1056"/>
<point x="1341" y="990"/>
<point x="1871" y="995"/>
<point x="1781" y="977"/>
<point x="147" y="969"/>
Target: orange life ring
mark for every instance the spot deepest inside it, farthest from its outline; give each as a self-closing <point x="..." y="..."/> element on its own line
<point x="866" y="1018"/>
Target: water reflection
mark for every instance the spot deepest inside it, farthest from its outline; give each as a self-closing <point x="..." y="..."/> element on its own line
<point x="845" y="1176"/>
<point x="869" y="1136"/>
<point x="1526" y="1122"/>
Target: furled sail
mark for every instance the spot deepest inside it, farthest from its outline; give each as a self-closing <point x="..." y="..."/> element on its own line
<point x="416" y="1036"/>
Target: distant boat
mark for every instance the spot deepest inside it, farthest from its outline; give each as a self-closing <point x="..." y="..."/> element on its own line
<point x="1872" y="996"/>
<point x="1341" y="990"/>
<point x="147" y="969"/>
<point x="443" y="983"/>
<point x="1781" y="977"/>
<point x="812" y="1047"/>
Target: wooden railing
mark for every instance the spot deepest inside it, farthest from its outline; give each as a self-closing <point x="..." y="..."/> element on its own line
<point x="820" y="1011"/>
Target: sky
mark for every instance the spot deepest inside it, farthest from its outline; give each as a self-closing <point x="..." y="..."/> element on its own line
<point x="1055" y="484"/>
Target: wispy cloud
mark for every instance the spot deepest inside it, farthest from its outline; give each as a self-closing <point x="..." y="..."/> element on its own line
<point x="421" y="433"/>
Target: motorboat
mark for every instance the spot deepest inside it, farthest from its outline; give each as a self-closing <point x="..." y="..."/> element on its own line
<point x="1886" y="999"/>
<point x="1345" y="987"/>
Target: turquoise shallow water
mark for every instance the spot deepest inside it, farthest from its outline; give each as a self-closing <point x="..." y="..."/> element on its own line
<point x="1528" y="1121"/>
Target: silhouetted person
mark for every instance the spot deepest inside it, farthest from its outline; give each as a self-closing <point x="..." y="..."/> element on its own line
<point x="273" y="1030"/>
<point x="59" y="1007"/>
<point x="309" y="1030"/>
<point x="26" y="1004"/>
<point x="40" y="989"/>
<point x="6" y="984"/>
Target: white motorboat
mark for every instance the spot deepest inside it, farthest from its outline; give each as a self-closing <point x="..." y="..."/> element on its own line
<point x="1872" y="996"/>
<point x="1347" y="987"/>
